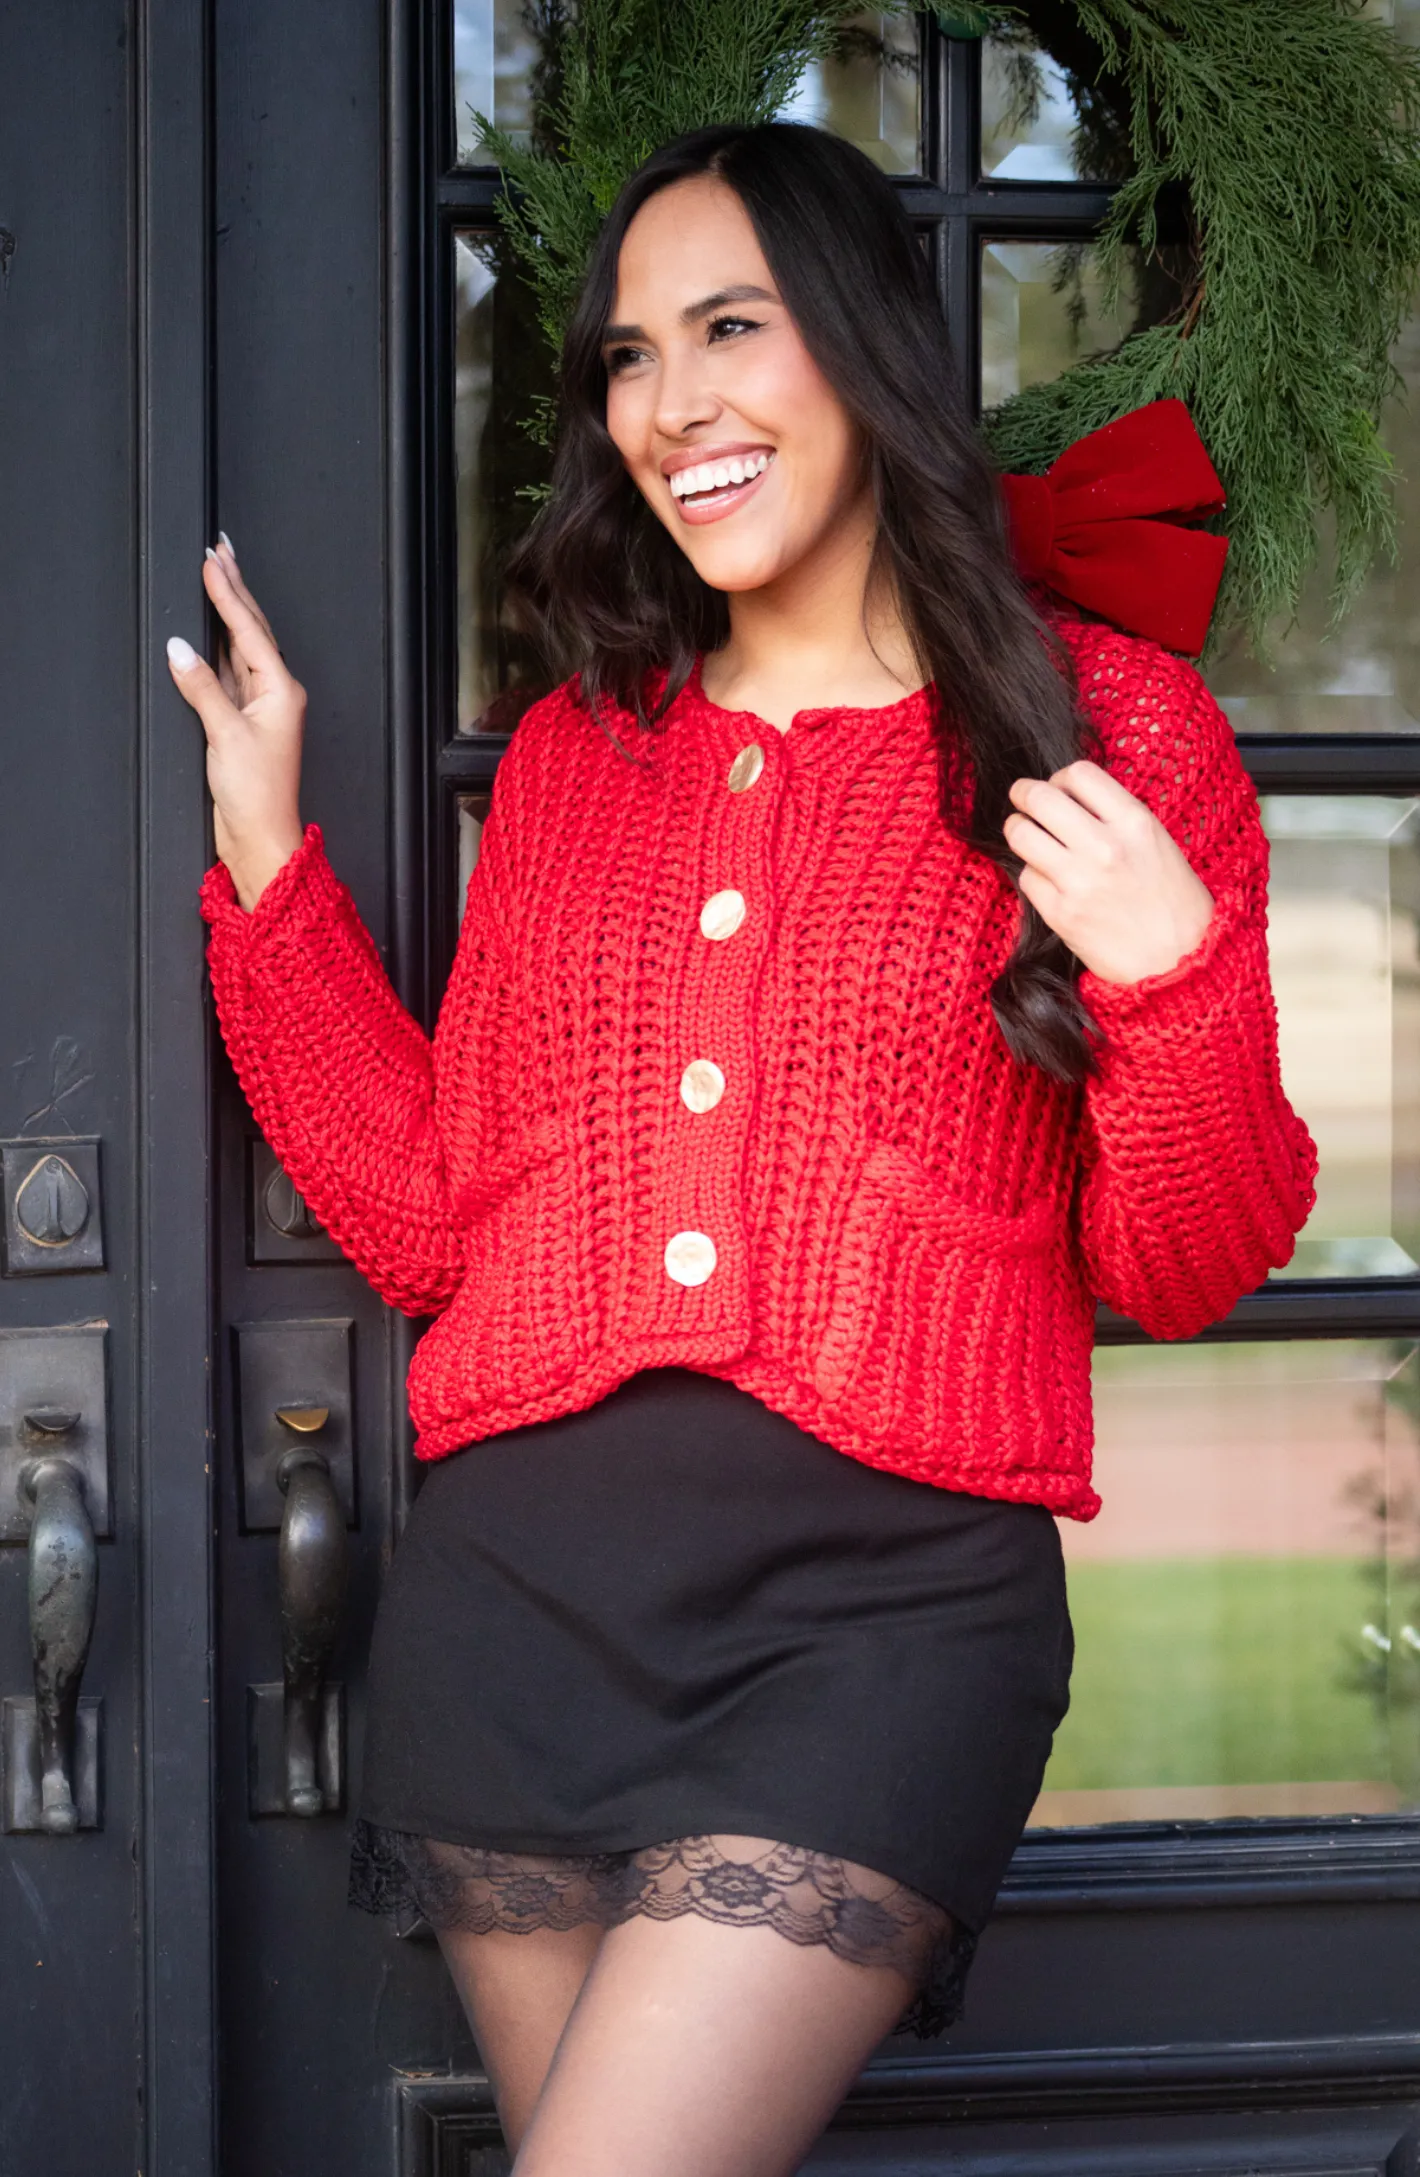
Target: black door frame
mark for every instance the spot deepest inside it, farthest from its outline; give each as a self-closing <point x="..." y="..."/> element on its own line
<point x="172" y="290"/>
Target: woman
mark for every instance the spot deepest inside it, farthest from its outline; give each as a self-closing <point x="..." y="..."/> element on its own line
<point x="863" y="970"/>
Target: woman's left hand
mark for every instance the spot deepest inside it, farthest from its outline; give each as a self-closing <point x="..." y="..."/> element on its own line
<point x="1105" y="875"/>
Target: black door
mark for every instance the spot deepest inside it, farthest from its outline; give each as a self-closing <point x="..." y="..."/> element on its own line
<point x="247" y="277"/>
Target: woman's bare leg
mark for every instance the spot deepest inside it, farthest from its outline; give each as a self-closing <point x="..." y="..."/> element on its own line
<point x="517" y="1991"/>
<point x="699" y="2050"/>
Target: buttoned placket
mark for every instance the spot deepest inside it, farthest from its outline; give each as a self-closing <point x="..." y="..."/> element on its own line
<point x="742" y="768"/>
<point x="739" y="774"/>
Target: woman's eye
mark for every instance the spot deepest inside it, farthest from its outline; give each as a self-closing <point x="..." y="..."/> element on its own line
<point x="624" y="357"/>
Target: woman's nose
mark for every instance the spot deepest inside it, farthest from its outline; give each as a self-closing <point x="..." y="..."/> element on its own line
<point x="686" y="395"/>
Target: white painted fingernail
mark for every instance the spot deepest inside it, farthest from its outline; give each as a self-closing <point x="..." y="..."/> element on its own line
<point x="181" y="655"/>
<point x="222" y="534"/>
<point x="213" y="555"/>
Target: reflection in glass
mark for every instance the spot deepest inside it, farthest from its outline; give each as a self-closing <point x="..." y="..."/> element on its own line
<point x="1043" y="308"/>
<point x="500" y="367"/>
<point x="495" y="52"/>
<point x="1247" y="1604"/>
<point x="1344" y="915"/>
<point x="870" y="93"/>
<point x="1029" y="119"/>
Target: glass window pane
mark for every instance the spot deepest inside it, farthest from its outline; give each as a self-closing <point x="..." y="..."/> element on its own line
<point x="871" y="92"/>
<point x="1344" y="901"/>
<point x="496" y="49"/>
<point x="1247" y="1604"/>
<point x="500" y="368"/>
<point x="1043" y="308"/>
<point x="1366" y="678"/>
<point x="1030" y="123"/>
<point x="472" y="809"/>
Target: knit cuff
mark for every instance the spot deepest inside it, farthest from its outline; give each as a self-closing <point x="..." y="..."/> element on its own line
<point x="304" y="888"/>
<point x="1187" y="997"/>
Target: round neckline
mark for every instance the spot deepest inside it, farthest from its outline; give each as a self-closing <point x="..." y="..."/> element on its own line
<point x="819" y="714"/>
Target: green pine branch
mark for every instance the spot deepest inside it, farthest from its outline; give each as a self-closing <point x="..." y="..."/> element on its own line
<point x="1292" y="125"/>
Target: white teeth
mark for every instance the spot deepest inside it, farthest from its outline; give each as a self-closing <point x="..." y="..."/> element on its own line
<point x="717" y="475"/>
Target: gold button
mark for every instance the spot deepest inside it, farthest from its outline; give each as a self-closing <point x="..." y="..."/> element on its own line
<point x="690" y="1257"/>
<point x="746" y="767"/>
<point x="722" y="914"/>
<point x="702" y="1084"/>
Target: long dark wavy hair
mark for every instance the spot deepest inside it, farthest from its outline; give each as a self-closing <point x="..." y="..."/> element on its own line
<point x="618" y="601"/>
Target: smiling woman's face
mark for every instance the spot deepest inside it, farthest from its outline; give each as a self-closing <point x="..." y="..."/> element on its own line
<point x="725" y="423"/>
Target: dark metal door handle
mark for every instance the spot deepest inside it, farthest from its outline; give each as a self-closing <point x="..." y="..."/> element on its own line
<point x="313" y="1569"/>
<point x="63" y="1592"/>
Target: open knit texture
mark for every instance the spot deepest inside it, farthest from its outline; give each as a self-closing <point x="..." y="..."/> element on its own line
<point x="909" y="1229"/>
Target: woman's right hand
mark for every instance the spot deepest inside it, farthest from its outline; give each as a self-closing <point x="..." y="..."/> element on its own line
<point x="253" y="713"/>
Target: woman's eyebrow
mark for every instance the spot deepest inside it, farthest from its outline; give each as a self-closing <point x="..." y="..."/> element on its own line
<point x="694" y="311"/>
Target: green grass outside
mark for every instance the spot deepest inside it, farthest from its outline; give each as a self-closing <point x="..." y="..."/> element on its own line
<point x="1227" y="1670"/>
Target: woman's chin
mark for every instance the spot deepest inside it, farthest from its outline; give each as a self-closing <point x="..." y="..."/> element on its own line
<point x="735" y="565"/>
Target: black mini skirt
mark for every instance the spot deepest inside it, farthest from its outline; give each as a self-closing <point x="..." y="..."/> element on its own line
<point x="675" y="1616"/>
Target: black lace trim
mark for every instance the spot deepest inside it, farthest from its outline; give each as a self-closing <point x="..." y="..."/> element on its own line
<point x="806" y="1896"/>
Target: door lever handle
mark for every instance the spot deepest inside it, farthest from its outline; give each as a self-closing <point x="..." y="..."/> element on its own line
<point x="313" y="1564"/>
<point x="63" y="1592"/>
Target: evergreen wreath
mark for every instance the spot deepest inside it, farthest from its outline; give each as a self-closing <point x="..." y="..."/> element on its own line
<point x="1278" y="138"/>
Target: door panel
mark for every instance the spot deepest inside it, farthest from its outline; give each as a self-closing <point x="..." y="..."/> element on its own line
<point x="1114" y="2114"/>
<point x="105" y="2010"/>
<point x="71" y="1970"/>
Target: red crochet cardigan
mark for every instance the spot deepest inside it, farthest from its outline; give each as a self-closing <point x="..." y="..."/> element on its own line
<point x="881" y="1226"/>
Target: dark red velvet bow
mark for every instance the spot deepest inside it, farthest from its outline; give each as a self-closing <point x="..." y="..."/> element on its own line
<point x="1096" y="528"/>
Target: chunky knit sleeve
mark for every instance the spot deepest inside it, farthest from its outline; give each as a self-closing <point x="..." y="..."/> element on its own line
<point x="343" y="1082"/>
<point x="1197" y="1172"/>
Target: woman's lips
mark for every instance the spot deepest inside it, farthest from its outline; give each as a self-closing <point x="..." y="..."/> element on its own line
<point x="714" y="506"/>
